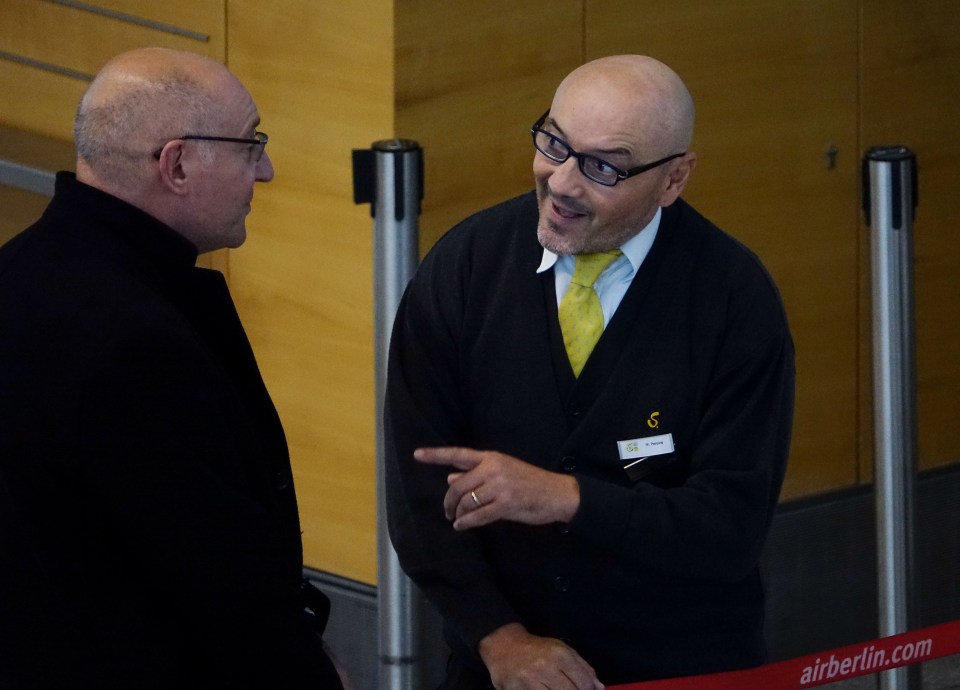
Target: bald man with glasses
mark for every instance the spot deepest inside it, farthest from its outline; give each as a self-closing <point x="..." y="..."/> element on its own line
<point x="589" y="409"/>
<point x="149" y="531"/>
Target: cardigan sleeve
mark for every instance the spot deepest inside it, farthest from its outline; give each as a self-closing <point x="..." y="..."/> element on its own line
<point x="423" y="408"/>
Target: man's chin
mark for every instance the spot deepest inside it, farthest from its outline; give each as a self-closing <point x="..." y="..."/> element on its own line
<point x="550" y="238"/>
<point x="235" y="238"/>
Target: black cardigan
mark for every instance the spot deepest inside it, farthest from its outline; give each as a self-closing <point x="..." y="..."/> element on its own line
<point x="653" y="578"/>
<point x="149" y="533"/>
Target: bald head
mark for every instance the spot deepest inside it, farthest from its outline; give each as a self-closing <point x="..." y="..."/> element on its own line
<point x="638" y="91"/>
<point x="627" y="114"/>
<point x="174" y="134"/>
<point x="139" y="100"/>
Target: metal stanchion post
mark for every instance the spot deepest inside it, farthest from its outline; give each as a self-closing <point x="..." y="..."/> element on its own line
<point x="890" y="197"/>
<point x="389" y="176"/>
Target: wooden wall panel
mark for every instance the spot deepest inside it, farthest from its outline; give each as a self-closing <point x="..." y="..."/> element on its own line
<point x="775" y="86"/>
<point x="471" y="79"/>
<point x="42" y="101"/>
<point x="322" y="77"/>
<point x="20" y="209"/>
<point x="911" y="78"/>
<point x="50" y="108"/>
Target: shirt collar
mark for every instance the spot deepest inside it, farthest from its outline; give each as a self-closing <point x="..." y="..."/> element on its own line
<point x="635" y="249"/>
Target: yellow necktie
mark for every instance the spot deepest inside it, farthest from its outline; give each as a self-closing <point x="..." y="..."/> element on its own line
<point x="581" y="318"/>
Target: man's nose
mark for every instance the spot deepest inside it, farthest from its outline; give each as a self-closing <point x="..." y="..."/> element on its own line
<point x="264" y="170"/>
<point x="566" y="178"/>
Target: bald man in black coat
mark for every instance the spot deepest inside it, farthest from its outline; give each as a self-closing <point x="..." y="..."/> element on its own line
<point x="149" y="533"/>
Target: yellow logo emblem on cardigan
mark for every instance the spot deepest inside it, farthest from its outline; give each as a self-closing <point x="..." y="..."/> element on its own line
<point x="654" y="420"/>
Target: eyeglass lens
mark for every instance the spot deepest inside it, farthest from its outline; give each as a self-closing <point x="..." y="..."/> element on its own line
<point x="558" y="150"/>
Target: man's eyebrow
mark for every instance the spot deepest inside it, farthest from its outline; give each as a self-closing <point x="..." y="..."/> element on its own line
<point x="618" y="151"/>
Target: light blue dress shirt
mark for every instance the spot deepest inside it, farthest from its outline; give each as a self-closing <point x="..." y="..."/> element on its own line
<point x="612" y="284"/>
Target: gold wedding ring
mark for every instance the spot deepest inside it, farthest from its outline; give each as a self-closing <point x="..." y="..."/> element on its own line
<point x="476" y="500"/>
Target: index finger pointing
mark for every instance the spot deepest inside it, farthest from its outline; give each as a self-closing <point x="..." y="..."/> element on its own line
<point x="460" y="458"/>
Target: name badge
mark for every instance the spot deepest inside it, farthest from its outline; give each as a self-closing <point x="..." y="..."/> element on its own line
<point x="645" y="447"/>
<point x="638" y="451"/>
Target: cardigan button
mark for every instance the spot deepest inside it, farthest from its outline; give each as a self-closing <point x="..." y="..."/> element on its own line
<point x="568" y="463"/>
<point x="282" y="481"/>
<point x="561" y="584"/>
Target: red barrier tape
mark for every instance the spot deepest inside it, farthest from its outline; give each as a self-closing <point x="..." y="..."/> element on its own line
<point x="830" y="666"/>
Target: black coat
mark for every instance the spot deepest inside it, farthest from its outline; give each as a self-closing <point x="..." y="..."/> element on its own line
<point x="655" y="576"/>
<point x="149" y="534"/>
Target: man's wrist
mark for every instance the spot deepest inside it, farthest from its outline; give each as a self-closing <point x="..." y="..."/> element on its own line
<point x="498" y="637"/>
<point x="570" y="502"/>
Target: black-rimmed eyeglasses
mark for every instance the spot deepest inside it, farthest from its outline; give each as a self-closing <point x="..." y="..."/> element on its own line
<point x="596" y="169"/>
<point x="257" y="144"/>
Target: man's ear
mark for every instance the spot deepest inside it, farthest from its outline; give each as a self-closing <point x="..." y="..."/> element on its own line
<point x="173" y="168"/>
<point x="677" y="178"/>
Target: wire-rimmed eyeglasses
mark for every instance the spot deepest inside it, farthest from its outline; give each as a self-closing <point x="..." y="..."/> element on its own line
<point x="596" y="169"/>
<point x="257" y="144"/>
